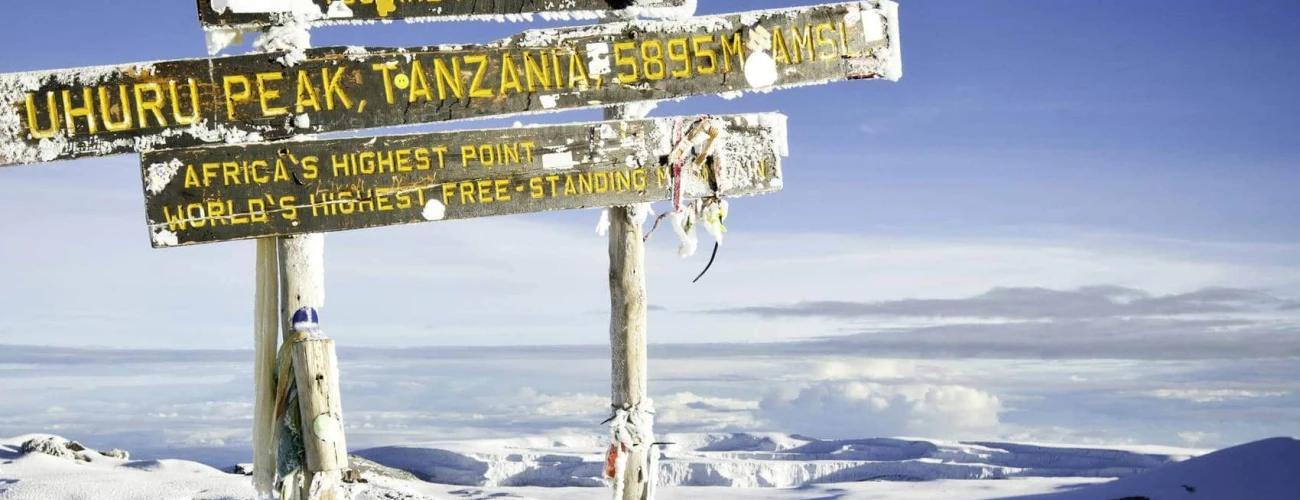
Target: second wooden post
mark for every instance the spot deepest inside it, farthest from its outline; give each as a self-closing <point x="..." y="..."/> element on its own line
<point x="633" y="419"/>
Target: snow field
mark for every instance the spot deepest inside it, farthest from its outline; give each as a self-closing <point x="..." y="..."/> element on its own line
<point x="760" y="461"/>
<point x="753" y="465"/>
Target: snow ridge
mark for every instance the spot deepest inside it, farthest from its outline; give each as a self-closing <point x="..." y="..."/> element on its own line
<point x="759" y="461"/>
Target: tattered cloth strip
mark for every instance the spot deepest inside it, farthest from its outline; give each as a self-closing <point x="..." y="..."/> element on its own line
<point x="676" y="158"/>
<point x="699" y="139"/>
<point x="684" y="142"/>
<point x="629" y="429"/>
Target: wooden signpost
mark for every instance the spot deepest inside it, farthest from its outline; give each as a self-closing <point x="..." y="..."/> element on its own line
<point x="224" y="157"/>
<point x="255" y="14"/>
<point x="56" y="115"/>
<point x="223" y="193"/>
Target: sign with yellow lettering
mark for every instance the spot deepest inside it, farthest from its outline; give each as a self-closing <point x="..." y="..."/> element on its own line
<point x="222" y="193"/>
<point x="254" y="14"/>
<point x="55" y="115"/>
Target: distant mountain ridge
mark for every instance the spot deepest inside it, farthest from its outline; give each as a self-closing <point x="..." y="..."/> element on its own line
<point x="763" y="460"/>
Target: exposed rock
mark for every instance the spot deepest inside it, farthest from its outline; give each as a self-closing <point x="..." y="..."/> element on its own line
<point x="363" y="466"/>
<point x="71" y="450"/>
<point x="353" y="476"/>
<point x="116" y="453"/>
<point x="51" y="445"/>
<point x="242" y="469"/>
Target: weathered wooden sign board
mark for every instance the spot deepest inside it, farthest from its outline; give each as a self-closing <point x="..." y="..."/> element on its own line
<point x="55" y="115"/>
<point x="253" y="14"/>
<point x="223" y="193"/>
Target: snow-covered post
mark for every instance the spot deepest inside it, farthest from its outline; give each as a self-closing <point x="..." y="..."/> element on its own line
<point x="302" y="277"/>
<point x="632" y="426"/>
<point x="318" y="414"/>
<point x="266" y="325"/>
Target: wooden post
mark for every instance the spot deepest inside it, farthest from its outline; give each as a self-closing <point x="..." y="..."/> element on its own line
<point x="627" y="328"/>
<point x="302" y="277"/>
<point x="266" y="325"/>
<point x="315" y="366"/>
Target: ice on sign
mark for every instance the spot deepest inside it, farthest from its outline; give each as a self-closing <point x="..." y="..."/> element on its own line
<point x="47" y="116"/>
<point x="220" y="193"/>
<point x="256" y="14"/>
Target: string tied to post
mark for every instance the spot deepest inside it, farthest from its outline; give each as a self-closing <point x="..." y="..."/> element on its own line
<point x="630" y="428"/>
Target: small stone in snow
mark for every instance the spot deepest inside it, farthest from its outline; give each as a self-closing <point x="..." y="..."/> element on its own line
<point x="118" y="454"/>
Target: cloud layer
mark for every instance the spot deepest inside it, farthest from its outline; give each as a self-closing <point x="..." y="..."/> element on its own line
<point x="1092" y="302"/>
<point x="198" y="405"/>
<point x="853" y="409"/>
<point x="1095" y="322"/>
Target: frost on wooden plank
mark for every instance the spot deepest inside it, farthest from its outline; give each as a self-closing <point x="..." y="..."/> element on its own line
<point x="227" y="15"/>
<point x="55" y="115"/>
<point x="223" y="193"/>
<point x="20" y="92"/>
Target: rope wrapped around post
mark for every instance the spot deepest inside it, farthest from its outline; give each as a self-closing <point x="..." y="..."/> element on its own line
<point x="632" y="428"/>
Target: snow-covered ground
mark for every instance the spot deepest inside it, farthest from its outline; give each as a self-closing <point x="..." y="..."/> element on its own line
<point x="762" y="460"/>
<point x="709" y="466"/>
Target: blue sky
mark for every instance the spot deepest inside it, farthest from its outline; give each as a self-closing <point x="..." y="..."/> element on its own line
<point x="1085" y="156"/>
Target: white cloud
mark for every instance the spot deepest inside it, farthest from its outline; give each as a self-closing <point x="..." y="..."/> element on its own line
<point x="576" y="406"/>
<point x="854" y="409"/>
<point x="1037" y="303"/>
<point x="862" y="368"/>
<point x="1196" y="438"/>
<point x="206" y="410"/>
<point x="1211" y="395"/>
<point x="211" y="437"/>
<point x="1067" y="436"/>
<point x="690" y="412"/>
